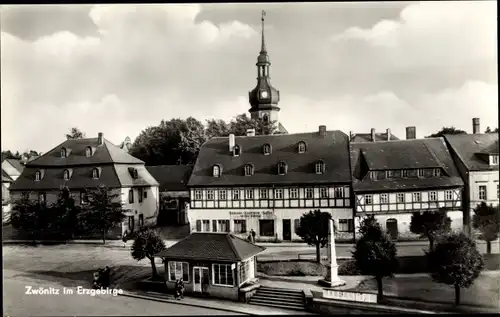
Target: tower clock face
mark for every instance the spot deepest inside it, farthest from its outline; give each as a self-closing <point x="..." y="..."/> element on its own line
<point x="264" y="94"/>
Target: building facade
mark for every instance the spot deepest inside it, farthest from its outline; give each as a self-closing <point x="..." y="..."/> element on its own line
<point x="476" y="157"/>
<point x="266" y="183"/>
<point x="13" y="168"/>
<point x="394" y="179"/>
<point x="6" y="204"/>
<point x="82" y="165"/>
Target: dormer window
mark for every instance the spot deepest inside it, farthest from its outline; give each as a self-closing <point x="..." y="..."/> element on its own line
<point x="38" y="175"/>
<point x="320" y="167"/>
<point x="301" y="147"/>
<point x="267" y="149"/>
<point x="88" y="152"/>
<point x="95" y="173"/>
<point x="63" y="153"/>
<point x="373" y="175"/>
<point x="420" y="172"/>
<point x="493" y="159"/>
<point x="216" y="171"/>
<point x="249" y="170"/>
<point x="133" y="172"/>
<point x="389" y="174"/>
<point x="236" y="150"/>
<point x="282" y="168"/>
<point x="66" y="175"/>
<point x="436" y="172"/>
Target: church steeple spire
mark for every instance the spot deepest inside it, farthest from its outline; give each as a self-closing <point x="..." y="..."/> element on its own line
<point x="263" y="45"/>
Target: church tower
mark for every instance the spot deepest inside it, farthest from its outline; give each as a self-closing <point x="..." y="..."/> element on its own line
<point x="264" y="98"/>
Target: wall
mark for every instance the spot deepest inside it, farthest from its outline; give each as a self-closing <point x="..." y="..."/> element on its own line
<point x="252" y="218"/>
<point x="484" y="178"/>
<point x="149" y="207"/>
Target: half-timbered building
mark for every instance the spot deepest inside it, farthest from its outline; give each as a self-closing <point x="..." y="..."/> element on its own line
<point x="266" y="183"/>
<point x="394" y="179"/>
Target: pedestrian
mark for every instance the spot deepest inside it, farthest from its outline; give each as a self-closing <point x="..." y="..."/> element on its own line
<point x="125" y="238"/>
<point x="252" y="233"/>
<point x="181" y="288"/>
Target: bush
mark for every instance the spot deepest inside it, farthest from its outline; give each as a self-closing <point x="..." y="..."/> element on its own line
<point x="291" y="268"/>
<point x="348" y="268"/>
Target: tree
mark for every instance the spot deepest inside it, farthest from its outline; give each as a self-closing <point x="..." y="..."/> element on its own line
<point x="446" y="130"/>
<point x="18" y="156"/>
<point x="147" y="243"/>
<point x="216" y="128"/>
<point x="103" y="211"/>
<point x="488" y="130"/>
<point x="65" y="215"/>
<point x="430" y="224"/>
<point x="313" y="229"/>
<point x="375" y="253"/>
<point x="75" y="133"/>
<point x="26" y="216"/>
<point x="242" y="123"/>
<point x="486" y="219"/>
<point x="455" y="261"/>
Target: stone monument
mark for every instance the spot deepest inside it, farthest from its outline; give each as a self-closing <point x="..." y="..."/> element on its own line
<point x="331" y="279"/>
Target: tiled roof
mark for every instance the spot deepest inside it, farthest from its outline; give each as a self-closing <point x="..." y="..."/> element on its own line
<point x="6" y="178"/>
<point x="17" y="164"/>
<point x="403" y="154"/>
<point x="332" y="149"/>
<point x="468" y="146"/>
<point x="171" y="177"/>
<point x="367" y="137"/>
<point x="211" y="247"/>
<point x="107" y="153"/>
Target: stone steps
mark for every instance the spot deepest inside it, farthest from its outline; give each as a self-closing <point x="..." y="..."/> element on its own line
<point x="279" y="298"/>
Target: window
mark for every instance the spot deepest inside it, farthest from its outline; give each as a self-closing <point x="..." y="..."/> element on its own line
<point x="222" y="194"/>
<point x="278" y="193"/>
<point x="42" y="198"/>
<point x="145" y="192"/>
<point x="240" y="226"/>
<point x="248" y="193"/>
<point x="323" y="192"/>
<point x="197" y="195"/>
<point x="216" y="171"/>
<point x="482" y="192"/>
<point x="63" y="153"/>
<point x="265" y="118"/>
<point x="178" y="270"/>
<point x="448" y="195"/>
<point x="210" y="195"/>
<point x="141" y="220"/>
<point x="236" y="194"/>
<point x="346" y="225"/>
<point x="66" y="175"/>
<point x="281" y="168"/>
<point x="131" y="196"/>
<point x="374" y="175"/>
<point x="420" y="172"/>
<point x="236" y="150"/>
<point x="294" y="193"/>
<point x="140" y="193"/>
<point x="84" y="198"/>
<point x="267" y="149"/>
<point x="222" y="274"/>
<point x="494" y="160"/>
<point x="368" y="199"/>
<point x="309" y="193"/>
<point x="205" y="225"/>
<point x="404" y="173"/>
<point x="263" y="193"/>
<point x="432" y="196"/>
<point x="436" y="172"/>
<point x="384" y="199"/>
<point x="389" y="174"/>
<point x="339" y="192"/>
<point x="416" y="197"/>
<point x="266" y="227"/>
<point x="320" y="167"/>
<point x="95" y="173"/>
<point x="38" y="175"/>
<point x="498" y="191"/>
<point x="248" y="170"/>
<point x="88" y="152"/>
<point x="400" y="198"/>
<point x="301" y="147"/>
<point x="244" y="271"/>
<point x="223" y="225"/>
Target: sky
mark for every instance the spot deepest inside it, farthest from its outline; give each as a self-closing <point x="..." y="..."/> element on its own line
<point x="120" y="68"/>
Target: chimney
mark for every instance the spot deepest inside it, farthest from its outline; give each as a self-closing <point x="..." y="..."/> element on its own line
<point x="231" y="142"/>
<point x="411" y="133"/>
<point x="388" y="134"/>
<point x="373" y="135"/>
<point x="322" y="130"/>
<point x="475" y="126"/>
<point x="250" y="132"/>
<point x="100" y="138"/>
<point x="351" y="135"/>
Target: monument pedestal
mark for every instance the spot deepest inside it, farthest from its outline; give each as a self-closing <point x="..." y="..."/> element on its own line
<point x="329" y="280"/>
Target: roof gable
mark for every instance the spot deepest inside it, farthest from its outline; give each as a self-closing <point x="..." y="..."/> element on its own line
<point x="212" y="247"/>
<point x="15" y="164"/>
<point x="471" y="149"/>
<point x="6" y="178"/>
<point x="332" y="149"/>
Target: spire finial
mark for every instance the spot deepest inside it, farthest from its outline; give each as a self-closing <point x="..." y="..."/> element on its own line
<point x="263" y="46"/>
